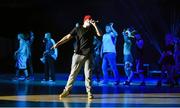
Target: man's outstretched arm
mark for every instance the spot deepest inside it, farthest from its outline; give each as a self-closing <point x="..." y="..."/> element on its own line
<point x="62" y="41"/>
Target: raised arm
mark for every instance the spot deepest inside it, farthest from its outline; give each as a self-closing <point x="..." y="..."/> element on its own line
<point x="113" y="30"/>
<point x="98" y="31"/>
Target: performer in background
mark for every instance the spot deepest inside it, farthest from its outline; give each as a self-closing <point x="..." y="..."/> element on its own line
<point x="109" y="54"/>
<point x="30" y="41"/>
<point x="138" y="61"/>
<point x="49" y="57"/>
<point x="83" y="53"/>
<point x="177" y="60"/>
<point x="167" y="61"/>
<point x="96" y="57"/>
<point x="21" y="56"/>
<point x="128" y="58"/>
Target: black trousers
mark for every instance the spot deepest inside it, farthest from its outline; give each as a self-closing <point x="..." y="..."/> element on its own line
<point x="49" y="68"/>
<point x="30" y="66"/>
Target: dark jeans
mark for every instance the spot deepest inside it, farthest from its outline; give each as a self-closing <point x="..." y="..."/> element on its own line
<point x="97" y="66"/>
<point x="30" y="66"/>
<point x="49" y="68"/>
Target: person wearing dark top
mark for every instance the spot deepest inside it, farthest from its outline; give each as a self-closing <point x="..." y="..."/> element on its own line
<point x="30" y="41"/>
<point x="138" y="61"/>
<point x="96" y="57"/>
<point x="167" y="61"/>
<point x="49" y="58"/>
<point x="82" y="54"/>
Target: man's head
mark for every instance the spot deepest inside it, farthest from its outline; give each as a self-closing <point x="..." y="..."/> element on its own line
<point x="87" y="19"/>
<point x="47" y="36"/>
<point x="108" y="28"/>
<point x="20" y="36"/>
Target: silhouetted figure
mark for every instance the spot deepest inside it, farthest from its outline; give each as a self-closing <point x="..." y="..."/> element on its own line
<point x="167" y="61"/>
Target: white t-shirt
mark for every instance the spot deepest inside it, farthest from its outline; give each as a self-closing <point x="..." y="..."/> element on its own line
<point x="108" y="45"/>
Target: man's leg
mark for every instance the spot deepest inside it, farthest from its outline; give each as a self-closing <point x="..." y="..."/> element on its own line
<point x="112" y="61"/>
<point x="46" y="69"/>
<point x="88" y="76"/>
<point x="140" y="71"/>
<point x="51" y="69"/>
<point x="104" y="69"/>
<point x="77" y="62"/>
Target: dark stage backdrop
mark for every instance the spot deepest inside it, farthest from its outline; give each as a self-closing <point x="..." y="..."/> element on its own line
<point x="152" y="19"/>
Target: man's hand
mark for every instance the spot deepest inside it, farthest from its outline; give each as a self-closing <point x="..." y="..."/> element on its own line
<point x="111" y="24"/>
<point x="54" y="46"/>
<point x="92" y="22"/>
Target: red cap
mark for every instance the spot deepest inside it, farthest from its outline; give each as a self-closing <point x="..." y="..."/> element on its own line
<point x="87" y="17"/>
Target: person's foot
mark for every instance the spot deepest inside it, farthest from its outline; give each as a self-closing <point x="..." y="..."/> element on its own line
<point x="90" y="95"/>
<point x="126" y="83"/>
<point x="143" y="84"/>
<point x="171" y="84"/>
<point x="15" y="79"/>
<point x="44" y="81"/>
<point x="159" y="84"/>
<point x="176" y="83"/>
<point x="27" y="78"/>
<point x="51" y="81"/>
<point x="103" y="82"/>
<point x="65" y="93"/>
<point x="116" y="83"/>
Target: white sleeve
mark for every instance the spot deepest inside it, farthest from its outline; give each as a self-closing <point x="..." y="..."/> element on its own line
<point x="55" y="55"/>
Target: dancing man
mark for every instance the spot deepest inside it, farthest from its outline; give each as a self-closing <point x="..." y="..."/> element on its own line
<point x="109" y="54"/>
<point x="167" y="61"/>
<point x="138" y="61"/>
<point x="83" y="53"/>
<point x="97" y="58"/>
<point x="30" y="41"/>
<point x="49" y="58"/>
<point x="128" y="58"/>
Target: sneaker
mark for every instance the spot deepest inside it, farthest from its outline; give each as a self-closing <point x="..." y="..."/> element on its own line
<point x="143" y="84"/>
<point x="103" y="82"/>
<point x="126" y="83"/>
<point x="65" y="93"/>
<point x="90" y="96"/>
<point x="116" y="83"/>
<point x="159" y="84"/>
<point x="15" y="79"/>
<point x="171" y="85"/>
<point x="44" y="81"/>
<point x="51" y="82"/>
<point x="27" y="78"/>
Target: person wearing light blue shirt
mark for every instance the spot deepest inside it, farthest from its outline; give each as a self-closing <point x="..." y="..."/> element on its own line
<point x="108" y="53"/>
<point x="21" y="56"/>
<point x="128" y="58"/>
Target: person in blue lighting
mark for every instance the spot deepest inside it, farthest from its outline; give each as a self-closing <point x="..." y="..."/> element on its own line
<point x="96" y="57"/>
<point x="109" y="54"/>
<point x="128" y="58"/>
<point x="21" y="56"/>
<point x="139" y="46"/>
<point x="167" y="61"/>
<point x="30" y="41"/>
<point x="82" y="55"/>
<point x="49" y="58"/>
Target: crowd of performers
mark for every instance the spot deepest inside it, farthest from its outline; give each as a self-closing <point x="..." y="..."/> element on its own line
<point x="96" y="53"/>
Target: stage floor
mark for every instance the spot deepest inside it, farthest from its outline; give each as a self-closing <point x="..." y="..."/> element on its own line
<point x="36" y="94"/>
